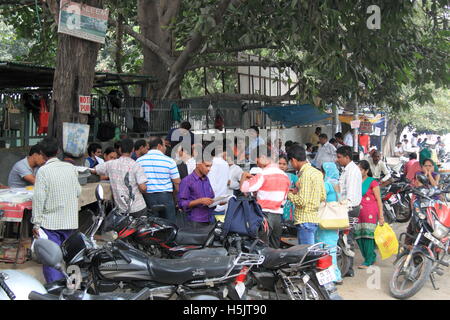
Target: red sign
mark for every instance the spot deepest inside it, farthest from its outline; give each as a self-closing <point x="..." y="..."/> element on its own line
<point x="84" y="103"/>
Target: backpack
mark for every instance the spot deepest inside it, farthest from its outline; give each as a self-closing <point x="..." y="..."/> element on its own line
<point x="244" y="216"/>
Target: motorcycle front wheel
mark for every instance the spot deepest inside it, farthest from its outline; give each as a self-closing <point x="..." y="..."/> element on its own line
<point x="406" y="282"/>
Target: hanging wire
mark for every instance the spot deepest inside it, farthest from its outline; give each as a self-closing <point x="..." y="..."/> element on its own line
<point x="38" y="19"/>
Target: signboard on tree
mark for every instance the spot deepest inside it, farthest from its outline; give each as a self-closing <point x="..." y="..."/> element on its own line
<point x="84" y="104"/>
<point x="83" y="21"/>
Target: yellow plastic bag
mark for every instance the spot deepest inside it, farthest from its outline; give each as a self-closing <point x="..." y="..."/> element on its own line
<point x="386" y="241"/>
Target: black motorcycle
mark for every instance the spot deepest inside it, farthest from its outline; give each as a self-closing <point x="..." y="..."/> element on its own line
<point x="301" y="272"/>
<point x="203" y="274"/>
<point x="157" y="236"/>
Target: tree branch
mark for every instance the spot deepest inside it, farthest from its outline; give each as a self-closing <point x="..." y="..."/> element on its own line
<point x="240" y="48"/>
<point x="194" y="45"/>
<point x="171" y="11"/>
<point x="265" y="64"/>
<point x="167" y="59"/>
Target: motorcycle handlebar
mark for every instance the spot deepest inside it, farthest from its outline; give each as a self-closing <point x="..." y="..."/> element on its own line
<point x="7" y="290"/>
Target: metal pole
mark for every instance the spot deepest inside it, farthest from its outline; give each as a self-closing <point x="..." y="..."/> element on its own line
<point x="355" y="138"/>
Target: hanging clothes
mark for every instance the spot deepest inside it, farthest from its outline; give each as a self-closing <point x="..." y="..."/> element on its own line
<point x="175" y="112"/>
<point x="146" y="107"/>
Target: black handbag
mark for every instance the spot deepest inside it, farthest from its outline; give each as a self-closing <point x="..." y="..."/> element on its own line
<point x="106" y="130"/>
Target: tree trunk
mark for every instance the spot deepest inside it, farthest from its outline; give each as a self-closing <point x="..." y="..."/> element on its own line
<point x="74" y="75"/>
<point x="150" y="23"/>
<point x="394" y="130"/>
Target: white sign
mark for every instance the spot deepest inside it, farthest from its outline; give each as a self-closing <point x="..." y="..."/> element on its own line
<point x="84" y="103"/>
<point x="83" y="21"/>
<point x="355" y="124"/>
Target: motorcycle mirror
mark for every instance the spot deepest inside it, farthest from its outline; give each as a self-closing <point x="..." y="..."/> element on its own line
<point x="48" y="253"/>
<point x="422" y="178"/>
<point x="99" y="194"/>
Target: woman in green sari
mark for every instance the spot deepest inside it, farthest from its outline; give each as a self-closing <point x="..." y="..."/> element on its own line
<point x="371" y="213"/>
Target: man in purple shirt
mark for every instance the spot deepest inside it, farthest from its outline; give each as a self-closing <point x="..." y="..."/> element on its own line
<point x="196" y="194"/>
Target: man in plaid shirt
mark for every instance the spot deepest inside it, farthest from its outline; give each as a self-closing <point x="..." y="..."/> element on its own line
<point x="55" y="200"/>
<point x="311" y="192"/>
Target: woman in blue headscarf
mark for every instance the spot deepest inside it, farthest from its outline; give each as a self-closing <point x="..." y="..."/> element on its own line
<point x="331" y="237"/>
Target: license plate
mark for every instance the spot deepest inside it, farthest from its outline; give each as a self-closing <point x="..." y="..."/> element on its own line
<point x="326" y="276"/>
<point x="240" y="289"/>
<point x="433" y="239"/>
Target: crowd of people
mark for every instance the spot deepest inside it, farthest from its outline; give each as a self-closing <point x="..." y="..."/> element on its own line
<point x="289" y="182"/>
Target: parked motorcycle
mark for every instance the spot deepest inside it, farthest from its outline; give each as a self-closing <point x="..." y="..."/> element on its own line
<point x="50" y="254"/>
<point x="396" y="199"/>
<point x="157" y="236"/>
<point x="301" y="272"/>
<point x="207" y="274"/>
<point x="431" y="226"/>
<point x="344" y="252"/>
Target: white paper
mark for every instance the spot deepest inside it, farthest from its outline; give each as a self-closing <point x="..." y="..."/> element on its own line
<point x="377" y="131"/>
<point x="355" y="124"/>
<point x="220" y="199"/>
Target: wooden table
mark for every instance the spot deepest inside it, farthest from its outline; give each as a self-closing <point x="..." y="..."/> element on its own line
<point x="88" y="193"/>
<point x="15" y="212"/>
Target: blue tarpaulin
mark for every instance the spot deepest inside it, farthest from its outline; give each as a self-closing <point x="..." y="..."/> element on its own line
<point x="296" y="115"/>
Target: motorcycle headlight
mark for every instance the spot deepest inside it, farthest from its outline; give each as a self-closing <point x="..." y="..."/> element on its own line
<point x="440" y="231"/>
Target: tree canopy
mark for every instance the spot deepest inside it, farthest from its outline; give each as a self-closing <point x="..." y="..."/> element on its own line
<point x="327" y="43"/>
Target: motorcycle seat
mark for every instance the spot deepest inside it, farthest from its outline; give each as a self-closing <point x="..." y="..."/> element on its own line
<point x="190" y="235"/>
<point x="206" y="252"/>
<point x="180" y="271"/>
<point x="275" y="258"/>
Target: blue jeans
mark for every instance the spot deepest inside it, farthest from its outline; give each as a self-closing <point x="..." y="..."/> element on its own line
<point x="306" y="233"/>
<point x="165" y="198"/>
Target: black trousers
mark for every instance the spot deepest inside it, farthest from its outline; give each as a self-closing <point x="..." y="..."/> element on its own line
<point x="272" y="238"/>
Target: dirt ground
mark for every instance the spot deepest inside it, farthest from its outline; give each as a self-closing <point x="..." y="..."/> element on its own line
<point x="362" y="286"/>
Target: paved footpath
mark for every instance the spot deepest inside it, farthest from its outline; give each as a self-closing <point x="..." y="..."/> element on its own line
<point x="361" y="287"/>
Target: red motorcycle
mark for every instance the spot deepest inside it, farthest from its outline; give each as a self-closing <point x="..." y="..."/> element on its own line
<point x="431" y="230"/>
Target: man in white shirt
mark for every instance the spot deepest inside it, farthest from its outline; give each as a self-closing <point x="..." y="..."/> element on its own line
<point x="379" y="168"/>
<point x="326" y="152"/>
<point x="218" y="177"/>
<point x="348" y="138"/>
<point x="398" y="150"/>
<point x="234" y="179"/>
<point x="350" y="184"/>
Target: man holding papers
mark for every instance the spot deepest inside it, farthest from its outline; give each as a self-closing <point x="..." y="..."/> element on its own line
<point x="196" y="195"/>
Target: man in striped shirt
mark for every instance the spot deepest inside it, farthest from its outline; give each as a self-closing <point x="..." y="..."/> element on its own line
<point x="162" y="177"/>
<point x="311" y="192"/>
<point x="271" y="187"/>
<point x="55" y="200"/>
